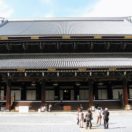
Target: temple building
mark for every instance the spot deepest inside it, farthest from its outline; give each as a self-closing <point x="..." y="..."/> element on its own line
<point x="66" y="62"/>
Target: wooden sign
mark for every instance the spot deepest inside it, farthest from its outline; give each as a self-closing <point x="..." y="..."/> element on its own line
<point x="128" y="37"/>
<point x="112" y="69"/>
<point x="66" y="37"/>
<point x="51" y="69"/>
<point x="34" y="37"/>
<point x="3" y="38"/>
<point x="82" y="69"/>
<point x="21" y="69"/>
<point x="97" y="37"/>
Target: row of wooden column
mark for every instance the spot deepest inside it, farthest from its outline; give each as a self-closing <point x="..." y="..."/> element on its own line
<point x="42" y="87"/>
<point x="8" y="94"/>
<point x="92" y="94"/>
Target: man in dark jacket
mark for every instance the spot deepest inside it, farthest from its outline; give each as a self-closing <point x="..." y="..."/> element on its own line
<point x="89" y="118"/>
<point x="106" y="118"/>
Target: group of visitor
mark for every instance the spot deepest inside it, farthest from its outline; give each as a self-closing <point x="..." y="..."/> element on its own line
<point x="84" y="119"/>
<point x="46" y="107"/>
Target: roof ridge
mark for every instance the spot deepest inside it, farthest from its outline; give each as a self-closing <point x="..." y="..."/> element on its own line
<point x="73" y="19"/>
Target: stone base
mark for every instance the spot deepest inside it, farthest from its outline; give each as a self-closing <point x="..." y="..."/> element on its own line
<point x="127" y="107"/>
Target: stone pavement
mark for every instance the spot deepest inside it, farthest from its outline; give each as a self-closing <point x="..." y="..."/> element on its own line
<point x="38" y="122"/>
<point x="120" y="121"/>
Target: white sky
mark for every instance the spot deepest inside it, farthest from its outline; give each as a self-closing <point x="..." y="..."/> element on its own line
<point x="5" y="9"/>
<point x="99" y="8"/>
<point x="110" y="8"/>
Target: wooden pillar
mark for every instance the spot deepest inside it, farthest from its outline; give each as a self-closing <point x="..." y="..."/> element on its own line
<point x="43" y="94"/>
<point x="8" y="95"/>
<point x="0" y="91"/>
<point x="23" y="91"/>
<point x="4" y="91"/>
<point x="125" y="93"/>
<point x="90" y="85"/>
<point x="38" y="91"/>
<point x="76" y="92"/>
<point x="109" y="91"/>
<point x="95" y="91"/>
<point x="57" y="93"/>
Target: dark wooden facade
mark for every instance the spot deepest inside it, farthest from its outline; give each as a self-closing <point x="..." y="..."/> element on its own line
<point x="91" y="78"/>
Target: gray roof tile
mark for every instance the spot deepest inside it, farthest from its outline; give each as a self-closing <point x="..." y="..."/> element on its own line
<point x="65" y="61"/>
<point x="70" y="26"/>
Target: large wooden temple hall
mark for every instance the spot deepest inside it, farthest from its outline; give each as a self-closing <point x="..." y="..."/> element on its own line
<point x="66" y="61"/>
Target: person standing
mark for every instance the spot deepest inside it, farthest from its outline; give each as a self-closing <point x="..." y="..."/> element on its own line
<point x="43" y="108"/>
<point x="106" y="118"/>
<point x="80" y="119"/>
<point x="89" y="118"/>
<point x="49" y="107"/>
<point x="81" y="107"/>
<point x="99" y="115"/>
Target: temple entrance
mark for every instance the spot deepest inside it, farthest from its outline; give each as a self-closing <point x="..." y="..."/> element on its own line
<point x="66" y="94"/>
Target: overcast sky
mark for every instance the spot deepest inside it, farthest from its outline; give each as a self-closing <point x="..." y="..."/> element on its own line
<point x="39" y="9"/>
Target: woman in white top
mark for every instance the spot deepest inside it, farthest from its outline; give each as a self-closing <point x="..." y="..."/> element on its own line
<point x="80" y="118"/>
<point x="99" y="116"/>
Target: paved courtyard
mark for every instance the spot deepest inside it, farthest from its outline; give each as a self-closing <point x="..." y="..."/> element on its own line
<point x="120" y="121"/>
<point x="38" y="122"/>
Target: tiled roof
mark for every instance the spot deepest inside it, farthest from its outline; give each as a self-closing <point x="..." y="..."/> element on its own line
<point x="65" y="61"/>
<point x="70" y="26"/>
